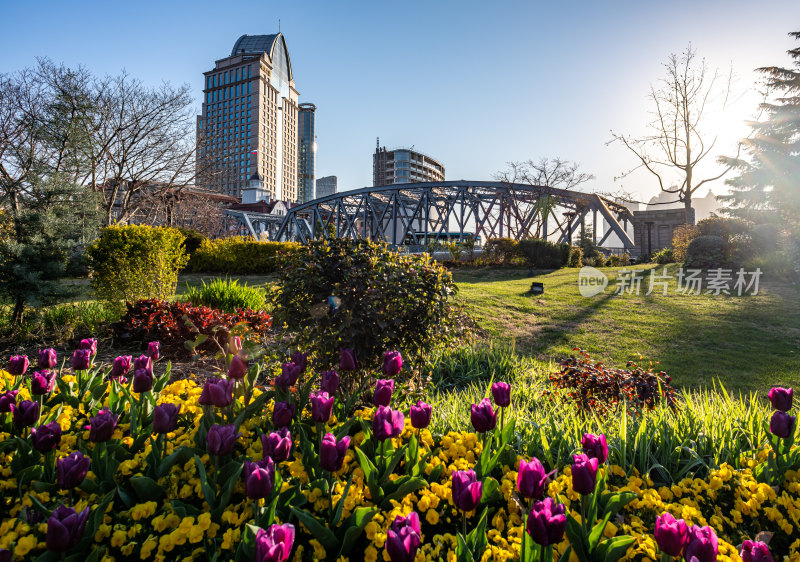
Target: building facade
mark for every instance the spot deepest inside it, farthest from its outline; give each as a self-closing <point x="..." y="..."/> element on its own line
<point x="404" y="165"/>
<point x="326" y="186"/>
<point x="249" y="120"/>
<point x="306" y="151"/>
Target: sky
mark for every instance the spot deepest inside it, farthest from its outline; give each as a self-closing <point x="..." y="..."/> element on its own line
<point x="473" y="84"/>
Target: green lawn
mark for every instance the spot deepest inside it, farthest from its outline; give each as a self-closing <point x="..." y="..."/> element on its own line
<point x="749" y="343"/>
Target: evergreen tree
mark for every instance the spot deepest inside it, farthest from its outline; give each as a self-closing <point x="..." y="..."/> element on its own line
<point x="767" y="188"/>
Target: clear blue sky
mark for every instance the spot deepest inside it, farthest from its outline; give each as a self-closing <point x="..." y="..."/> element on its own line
<point x="474" y="84"/>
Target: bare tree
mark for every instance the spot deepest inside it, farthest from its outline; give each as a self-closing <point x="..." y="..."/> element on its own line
<point x="678" y="141"/>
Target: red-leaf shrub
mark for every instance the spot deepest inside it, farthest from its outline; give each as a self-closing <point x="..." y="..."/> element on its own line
<point x="175" y="323"/>
<point x="593" y="386"/>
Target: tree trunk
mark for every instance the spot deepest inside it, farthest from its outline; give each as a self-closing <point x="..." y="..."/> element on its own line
<point x="687" y="205"/>
<point x="19" y="308"/>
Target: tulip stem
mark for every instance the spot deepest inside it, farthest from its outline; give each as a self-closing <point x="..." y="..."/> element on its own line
<point x="464" y="525"/>
<point x="330" y="497"/>
<point x="502" y="424"/>
<point x="524" y="533"/>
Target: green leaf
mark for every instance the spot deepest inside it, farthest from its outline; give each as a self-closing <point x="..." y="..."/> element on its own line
<point x="317" y="529"/>
<point x="477" y="537"/>
<point x="597" y="532"/>
<point x="577" y="539"/>
<point x="613" y="503"/>
<point x="405" y="485"/>
<point x="355" y="526"/>
<point x="208" y="492"/>
<point x="490" y="490"/>
<point x="339" y="507"/>
<point x="146" y="488"/>
<point x="613" y="549"/>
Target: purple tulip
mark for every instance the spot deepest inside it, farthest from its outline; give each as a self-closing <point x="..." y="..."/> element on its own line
<point x="143" y="362"/>
<point x="584" y="474"/>
<point x="25" y="413"/>
<point x="259" y="478"/>
<point x="142" y="380"/>
<point x="329" y="382"/>
<point x="347" y="359"/>
<point x="595" y="446"/>
<point x="483" y="417"/>
<point x="274" y="544"/>
<point x="90" y="344"/>
<point x="383" y="392"/>
<point x="282" y="414"/>
<point x="5" y="555"/>
<point x="403" y="538"/>
<point x="321" y="407"/>
<point x="387" y="423"/>
<point x="782" y="424"/>
<point x="781" y="398"/>
<point x="46" y="438"/>
<point x="65" y="528"/>
<point x="501" y="392"/>
<point x="277" y="445"/>
<point x="18" y="365"/>
<point x="165" y="418"/>
<point x="216" y="392"/>
<point x="71" y="470"/>
<point x="532" y="478"/>
<point x="467" y="491"/>
<point x="47" y="358"/>
<point x="7" y="399"/>
<point x="300" y="359"/>
<point x="755" y="551"/>
<point x="43" y="382"/>
<point x="221" y="439"/>
<point x="154" y="350"/>
<point x="121" y="366"/>
<point x="288" y="377"/>
<point x="671" y="534"/>
<point x="81" y="359"/>
<point x="101" y="427"/>
<point x="332" y="453"/>
<point x="703" y="544"/>
<point x="237" y="369"/>
<point x="392" y="363"/>
<point x="420" y="415"/>
<point x="547" y="522"/>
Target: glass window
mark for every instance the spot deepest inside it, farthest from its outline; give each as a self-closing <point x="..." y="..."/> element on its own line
<point x="226" y="77"/>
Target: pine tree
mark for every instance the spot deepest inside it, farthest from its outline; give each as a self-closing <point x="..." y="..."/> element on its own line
<point x="767" y="188"/>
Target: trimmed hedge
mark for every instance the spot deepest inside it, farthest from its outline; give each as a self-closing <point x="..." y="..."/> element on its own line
<point x="541" y="254"/>
<point x="238" y="255"/>
<point x="707" y="252"/>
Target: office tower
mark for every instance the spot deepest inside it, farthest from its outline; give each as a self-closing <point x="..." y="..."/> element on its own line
<point x="307" y="151"/>
<point x="403" y="165"/>
<point x="326" y="186"/>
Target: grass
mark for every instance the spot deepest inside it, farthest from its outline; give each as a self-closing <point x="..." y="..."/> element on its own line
<point x="747" y="343"/>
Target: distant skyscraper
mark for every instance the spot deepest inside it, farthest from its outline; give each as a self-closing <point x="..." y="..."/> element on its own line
<point x="249" y="120"/>
<point x="307" y="151"/>
<point x="403" y="165"/>
<point x="326" y="186"/>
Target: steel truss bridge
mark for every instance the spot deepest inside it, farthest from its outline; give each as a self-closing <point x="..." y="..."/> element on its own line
<point x="415" y="213"/>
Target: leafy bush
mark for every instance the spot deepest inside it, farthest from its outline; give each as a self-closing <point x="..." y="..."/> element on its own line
<point x="764" y="238"/>
<point x="192" y="240"/>
<point x="681" y="237"/>
<point x="227" y="295"/>
<point x="619" y="260"/>
<point x="707" y="252"/>
<point x="664" y="255"/>
<point x="595" y="387"/>
<point x="357" y="294"/>
<point x="175" y="323"/>
<point x="502" y="251"/>
<point x="725" y="227"/>
<point x="129" y="263"/>
<point x="541" y="254"/>
<point x="575" y="257"/>
<point x="239" y="255"/>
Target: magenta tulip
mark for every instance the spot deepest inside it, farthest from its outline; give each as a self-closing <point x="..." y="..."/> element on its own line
<point x="383" y="392"/>
<point x="782" y="424"/>
<point x="671" y="534"/>
<point x="274" y="544"/>
<point x="584" y="474"/>
<point x="102" y="426"/>
<point x="277" y="445"/>
<point x="142" y="380"/>
<point x="154" y="350"/>
<point x="532" y="478"/>
<point x="71" y="470"/>
<point x="221" y="439"/>
<point x="165" y="418"/>
<point x="781" y="398"/>
<point x="216" y="392"/>
<point x="755" y="551"/>
<point x="329" y="382"/>
<point x="403" y="538"/>
<point x="392" y="363"/>
<point x="259" y="478"/>
<point x="81" y="359"/>
<point x="237" y="369"/>
<point x="18" y="364"/>
<point x="121" y="366"/>
<point x="300" y="359"/>
<point x="501" y="392"/>
<point x="25" y="413"/>
<point x="143" y="362"/>
<point x="387" y="423"/>
<point x="46" y="438"/>
<point x="43" y="382"/>
<point x="290" y="372"/>
<point x="467" y="490"/>
<point x="65" y="528"/>
<point x="347" y="359"/>
<point x="321" y="407"/>
<point x="420" y="415"/>
<point x="547" y="522"/>
<point x="332" y="453"/>
<point x="7" y="399"/>
<point x="595" y="447"/>
<point x="483" y="417"/>
<point x="702" y="545"/>
<point x="282" y="414"/>
<point x="47" y="358"/>
<point x="89" y="344"/>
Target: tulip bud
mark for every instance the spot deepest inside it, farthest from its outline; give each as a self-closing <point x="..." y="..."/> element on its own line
<point x="102" y="426"/>
<point x="43" y="382"/>
<point x="81" y="359"/>
<point x="547" y="522"/>
<point x="467" y="490"/>
<point x="47" y="358"/>
<point x="782" y="424"/>
<point x="754" y="551"/>
<point x="330" y="382"/>
<point x="392" y="364"/>
<point x="71" y="470"/>
<point x="25" y="414"/>
<point x="703" y="544"/>
<point x="234" y="345"/>
<point x="321" y="407"/>
<point x="420" y="415"/>
<point x="387" y="423"/>
<point x="89" y="344"/>
<point x="154" y="350"/>
<point x="165" y="418"/>
<point x="301" y="360"/>
<point x="216" y="392"/>
<point x="7" y="399"/>
<point x="347" y="359"/>
<point x="383" y="392"/>
<point x="142" y="380"/>
<point x="46" y="438"/>
<point x="595" y="446"/>
<point x="532" y="478"/>
<point x="501" y="392"/>
<point x="143" y="362"/>
<point x="277" y="445"/>
<point x="584" y="474"/>
<point x="274" y="544"/>
<point x="483" y="417"/>
<point x="65" y="528"/>
<point x="237" y="369"/>
<point x="259" y="478"/>
<point x="403" y="538"/>
<point x="332" y="453"/>
<point x="781" y="398"/>
<point x="221" y="439"/>
<point x="18" y="365"/>
<point x="121" y="366"/>
<point x="671" y="534"/>
<point x="282" y="414"/>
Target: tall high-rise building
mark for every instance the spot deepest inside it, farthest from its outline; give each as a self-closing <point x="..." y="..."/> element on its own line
<point x="326" y="186"/>
<point x="249" y="120"/>
<point x="306" y="151"/>
<point x="403" y="165"/>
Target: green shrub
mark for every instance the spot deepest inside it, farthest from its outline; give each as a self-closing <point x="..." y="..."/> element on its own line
<point x="776" y="265"/>
<point x="619" y="260"/>
<point x="129" y="263"/>
<point x="681" y="237"/>
<point x="192" y="240"/>
<point x="541" y="254"/>
<point x="707" y="252"/>
<point x="764" y="238"/>
<point x="724" y="227"/>
<point x="226" y="294"/>
<point x="238" y="255"/>
<point x="575" y="256"/>
<point x="503" y="251"/>
<point x="357" y="294"/>
<point x="664" y="255"/>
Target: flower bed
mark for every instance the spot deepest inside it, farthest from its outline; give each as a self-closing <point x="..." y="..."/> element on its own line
<point x="181" y="471"/>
